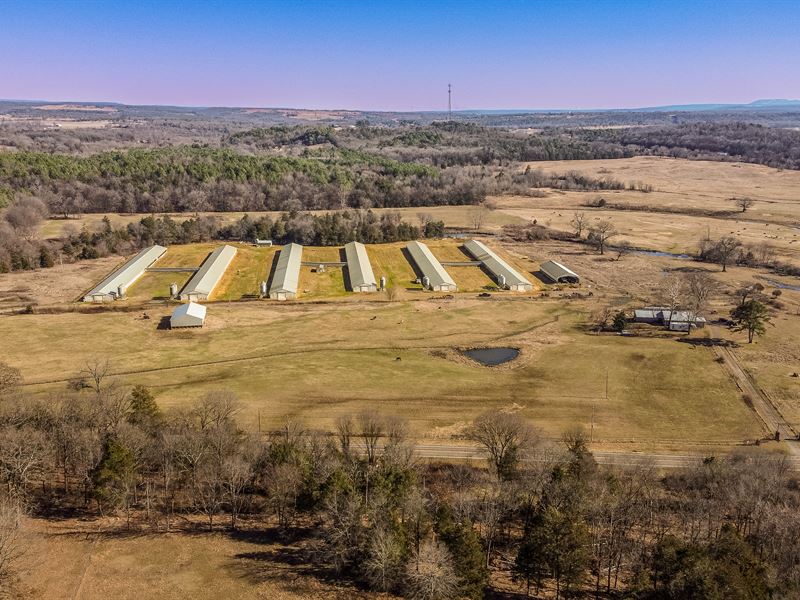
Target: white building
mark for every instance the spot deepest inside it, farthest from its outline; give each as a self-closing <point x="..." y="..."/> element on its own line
<point x="190" y="314"/>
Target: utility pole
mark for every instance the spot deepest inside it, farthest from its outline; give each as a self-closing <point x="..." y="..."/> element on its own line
<point x="449" y="102"/>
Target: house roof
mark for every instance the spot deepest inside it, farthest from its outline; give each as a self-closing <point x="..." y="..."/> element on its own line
<point x="190" y="309"/>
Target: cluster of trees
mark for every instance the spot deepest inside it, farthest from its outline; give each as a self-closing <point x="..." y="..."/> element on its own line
<point x="20" y="246"/>
<point x="191" y="178"/>
<point x="332" y="229"/>
<point x="723" y="529"/>
<point x="746" y="142"/>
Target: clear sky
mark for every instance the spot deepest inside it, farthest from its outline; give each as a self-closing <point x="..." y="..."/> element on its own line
<point x="400" y="55"/>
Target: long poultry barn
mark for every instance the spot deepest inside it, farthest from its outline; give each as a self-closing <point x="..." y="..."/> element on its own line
<point x="434" y="275"/>
<point x="287" y="273"/>
<point x="362" y="279"/>
<point x="503" y="273"/>
<point x="116" y="284"/>
<point x="206" y="279"/>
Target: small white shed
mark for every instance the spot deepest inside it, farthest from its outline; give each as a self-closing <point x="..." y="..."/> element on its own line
<point x="190" y="314"/>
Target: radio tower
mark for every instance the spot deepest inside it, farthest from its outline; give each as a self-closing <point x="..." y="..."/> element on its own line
<point x="449" y="103"/>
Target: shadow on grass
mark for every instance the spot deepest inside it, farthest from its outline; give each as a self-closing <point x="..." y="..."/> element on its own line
<point x="709" y="342"/>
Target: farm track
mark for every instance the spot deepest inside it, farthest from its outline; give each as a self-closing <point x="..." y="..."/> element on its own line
<point x="766" y="411"/>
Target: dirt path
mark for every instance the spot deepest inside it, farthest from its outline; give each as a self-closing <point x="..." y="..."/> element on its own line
<point x="772" y="419"/>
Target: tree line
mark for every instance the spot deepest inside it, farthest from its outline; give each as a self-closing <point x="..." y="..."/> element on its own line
<point x="546" y="516"/>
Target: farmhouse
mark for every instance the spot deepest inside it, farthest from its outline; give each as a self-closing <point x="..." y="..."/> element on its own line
<point x="202" y="283"/>
<point x="114" y="286"/>
<point x="558" y="273"/>
<point x="362" y="278"/>
<point x="287" y="273"/>
<point x="503" y="273"/>
<point x="679" y="320"/>
<point x="432" y="270"/>
<point x="190" y="314"/>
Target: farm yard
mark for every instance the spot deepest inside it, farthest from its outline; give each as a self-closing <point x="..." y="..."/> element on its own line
<point x="404" y="357"/>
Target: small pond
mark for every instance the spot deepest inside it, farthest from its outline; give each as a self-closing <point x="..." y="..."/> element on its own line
<point x="781" y="285"/>
<point x="491" y="357"/>
<point x="662" y="254"/>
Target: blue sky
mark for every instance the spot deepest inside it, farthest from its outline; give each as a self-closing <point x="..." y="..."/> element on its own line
<point x="401" y="55"/>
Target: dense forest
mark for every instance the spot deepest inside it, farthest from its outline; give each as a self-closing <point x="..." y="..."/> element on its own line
<point x="355" y="502"/>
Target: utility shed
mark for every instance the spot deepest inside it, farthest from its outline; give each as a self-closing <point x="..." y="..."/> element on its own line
<point x="203" y="282"/>
<point x="362" y="279"/>
<point x="190" y="314"/>
<point x="123" y="277"/>
<point x="503" y="273"/>
<point x="439" y="280"/>
<point x="287" y="273"/>
<point x="558" y="273"/>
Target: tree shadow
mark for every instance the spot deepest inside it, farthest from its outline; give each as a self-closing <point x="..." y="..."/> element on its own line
<point x="708" y="342"/>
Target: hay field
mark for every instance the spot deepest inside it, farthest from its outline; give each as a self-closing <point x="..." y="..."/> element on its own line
<point x="679" y="185"/>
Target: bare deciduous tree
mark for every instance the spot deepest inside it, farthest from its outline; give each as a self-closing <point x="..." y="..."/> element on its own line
<point x="725" y="250"/>
<point x="10" y="548"/>
<point x="430" y="574"/>
<point x="579" y="222"/>
<point x="505" y="437"/>
<point x="743" y="202"/>
<point x="600" y="233"/>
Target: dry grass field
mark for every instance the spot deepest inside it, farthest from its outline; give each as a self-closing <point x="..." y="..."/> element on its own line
<point x="402" y="358"/>
<point x="689" y="187"/>
<point x="70" y="558"/>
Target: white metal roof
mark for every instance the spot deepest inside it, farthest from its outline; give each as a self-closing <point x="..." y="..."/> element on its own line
<point x="208" y="276"/>
<point x="556" y="271"/>
<point x="496" y="265"/>
<point x="287" y="270"/>
<point x="358" y="266"/>
<point x="429" y="265"/>
<point x="129" y="272"/>
<point x="188" y="314"/>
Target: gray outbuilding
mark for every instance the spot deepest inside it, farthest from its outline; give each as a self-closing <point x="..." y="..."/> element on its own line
<point x="362" y="279"/>
<point x="190" y="314"/>
<point x="558" y="273"/>
<point x="206" y="279"/>
<point x="503" y="273"/>
<point x="116" y="284"/>
<point x="287" y="273"/>
<point x="678" y="320"/>
<point x="437" y="278"/>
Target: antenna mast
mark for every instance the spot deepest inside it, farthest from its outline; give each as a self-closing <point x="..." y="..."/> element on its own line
<point x="449" y="103"/>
